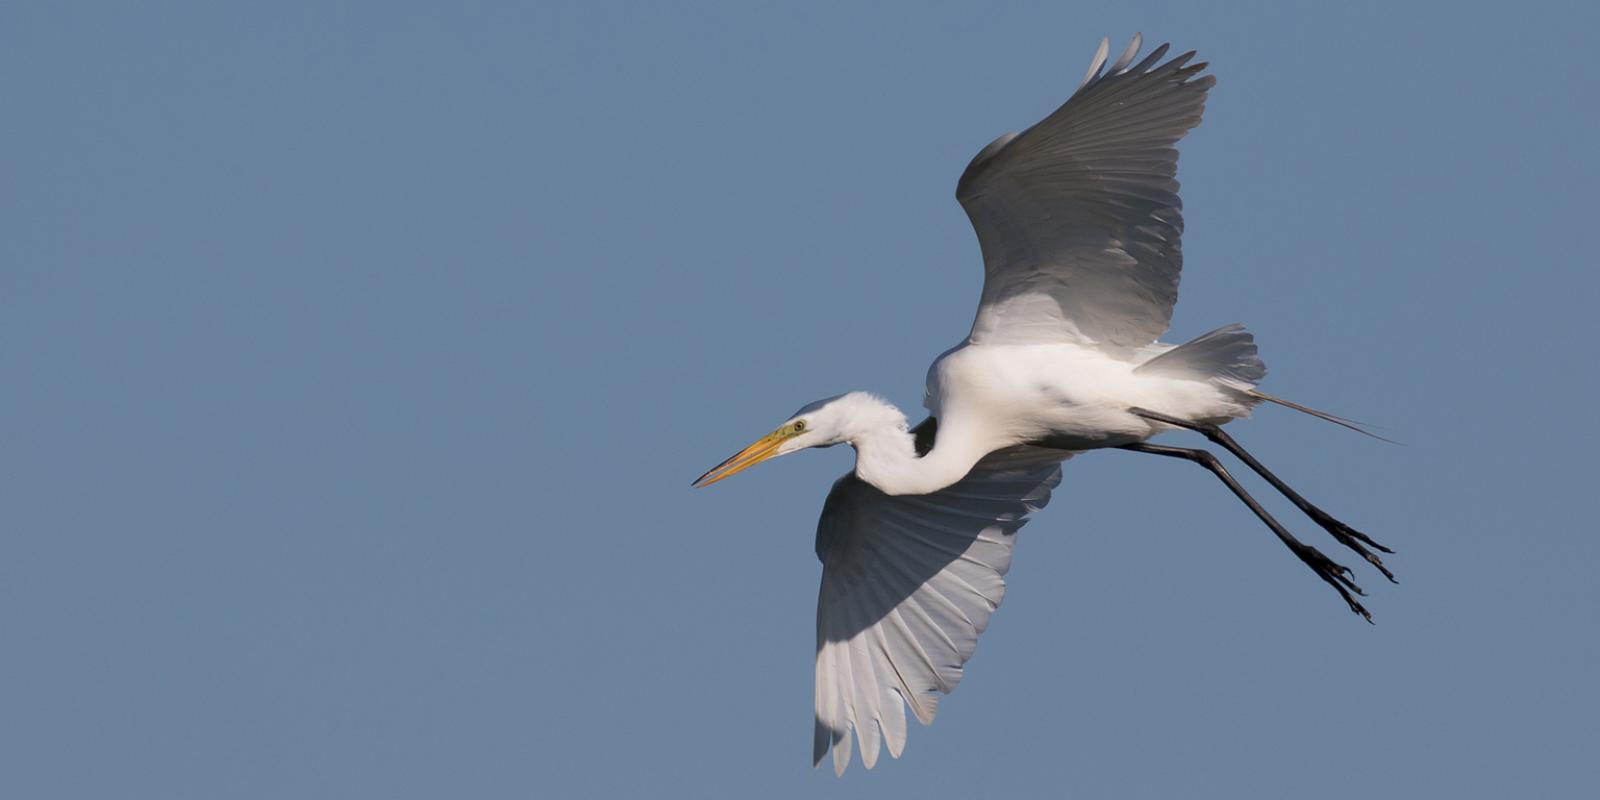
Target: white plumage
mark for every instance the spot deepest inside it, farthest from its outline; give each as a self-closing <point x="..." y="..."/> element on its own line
<point x="1080" y="225"/>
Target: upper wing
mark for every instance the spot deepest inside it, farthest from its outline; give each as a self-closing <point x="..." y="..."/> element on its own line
<point x="908" y="583"/>
<point x="1079" y="217"/>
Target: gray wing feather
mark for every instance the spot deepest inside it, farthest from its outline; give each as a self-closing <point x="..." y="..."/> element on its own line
<point x="1078" y="217"/>
<point x="908" y="583"/>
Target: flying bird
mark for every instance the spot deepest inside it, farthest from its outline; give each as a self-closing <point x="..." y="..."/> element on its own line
<point x="1079" y="223"/>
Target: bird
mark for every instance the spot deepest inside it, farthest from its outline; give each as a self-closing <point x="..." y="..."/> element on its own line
<point x="1079" y="225"/>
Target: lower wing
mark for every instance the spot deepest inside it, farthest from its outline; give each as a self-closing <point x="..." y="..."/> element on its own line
<point x="908" y="583"/>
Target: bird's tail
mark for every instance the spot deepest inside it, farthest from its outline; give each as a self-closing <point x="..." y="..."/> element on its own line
<point x="1227" y="354"/>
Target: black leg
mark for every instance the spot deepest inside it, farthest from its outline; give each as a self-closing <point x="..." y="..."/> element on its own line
<point x="1337" y="575"/>
<point x="1346" y="535"/>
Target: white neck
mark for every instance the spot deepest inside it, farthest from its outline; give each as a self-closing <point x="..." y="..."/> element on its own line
<point x="886" y="454"/>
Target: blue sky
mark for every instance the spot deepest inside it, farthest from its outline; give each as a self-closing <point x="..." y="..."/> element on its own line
<point x="358" y="356"/>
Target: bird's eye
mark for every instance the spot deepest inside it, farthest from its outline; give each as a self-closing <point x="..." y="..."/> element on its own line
<point x="799" y="425"/>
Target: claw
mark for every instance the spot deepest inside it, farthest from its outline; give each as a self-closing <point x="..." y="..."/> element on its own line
<point x="1368" y="539"/>
<point x="1353" y="539"/>
<point x="1337" y="575"/>
<point x="1355" y="605"/>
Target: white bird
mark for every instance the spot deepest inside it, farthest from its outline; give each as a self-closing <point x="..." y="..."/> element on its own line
<point x="1078" y="219"/>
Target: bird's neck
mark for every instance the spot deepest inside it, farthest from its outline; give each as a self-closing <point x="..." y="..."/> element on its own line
<point x="886" y="456"/>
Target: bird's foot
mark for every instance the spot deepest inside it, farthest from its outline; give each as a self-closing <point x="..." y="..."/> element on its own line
<point x="1337" y="575"/>
<point x="1354" y="539"/>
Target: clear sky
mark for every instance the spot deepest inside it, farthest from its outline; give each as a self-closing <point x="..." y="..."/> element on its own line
<point x="357" y="357"/>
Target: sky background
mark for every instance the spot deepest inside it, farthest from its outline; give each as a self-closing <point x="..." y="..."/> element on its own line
<point x="357" y="357"/>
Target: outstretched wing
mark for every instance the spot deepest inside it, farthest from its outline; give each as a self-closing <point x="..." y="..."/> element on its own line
<point x="908" y="583"/>
<point x="1079" y="218"/>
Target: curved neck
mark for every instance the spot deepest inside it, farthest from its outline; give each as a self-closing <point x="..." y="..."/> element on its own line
<point x="886" y="457"/>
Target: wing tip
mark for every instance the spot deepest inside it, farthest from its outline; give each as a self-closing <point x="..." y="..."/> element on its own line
<point x="1097" y="62"/>
<point x="842" y="750"/>
<point x="1128" y="53"/>
<point x="1098" y="69"/>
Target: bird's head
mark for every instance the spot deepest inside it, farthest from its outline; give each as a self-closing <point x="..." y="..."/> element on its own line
<point x="821" y="424"/>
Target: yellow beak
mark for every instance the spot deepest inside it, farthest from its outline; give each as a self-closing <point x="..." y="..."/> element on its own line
<point x="764" y="448"/>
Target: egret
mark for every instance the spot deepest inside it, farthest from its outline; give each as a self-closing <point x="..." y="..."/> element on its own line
<point x="1079" y="223"/>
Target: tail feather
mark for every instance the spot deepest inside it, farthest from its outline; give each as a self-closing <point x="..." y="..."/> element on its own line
<point x="1228" y="353"/>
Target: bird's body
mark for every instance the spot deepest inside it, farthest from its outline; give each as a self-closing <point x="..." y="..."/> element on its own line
<point x="1080" y="225"/>
<point x="990" y="397"/>
<point x="1078" y="397"/>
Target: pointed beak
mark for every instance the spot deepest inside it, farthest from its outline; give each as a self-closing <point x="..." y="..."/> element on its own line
<point x="764" y="448"/>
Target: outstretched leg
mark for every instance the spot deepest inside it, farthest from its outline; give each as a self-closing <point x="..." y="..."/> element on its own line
<point x="1337" y="575"/>
<point x="1347" y="536"/>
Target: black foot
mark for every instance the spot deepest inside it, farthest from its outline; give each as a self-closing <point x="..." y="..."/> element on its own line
<point x="1337" y="575"/>
<point x="1353" y="539"/>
